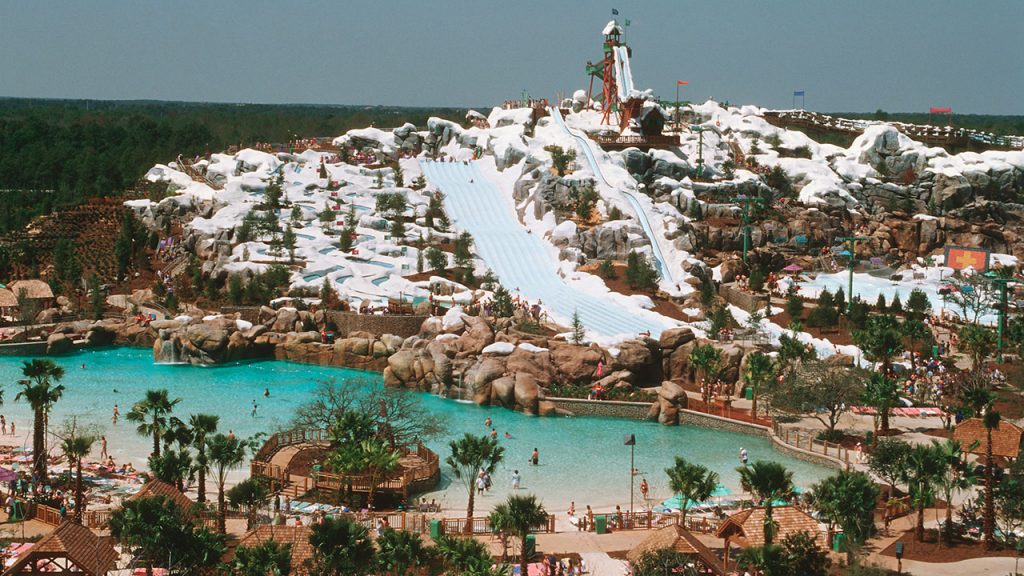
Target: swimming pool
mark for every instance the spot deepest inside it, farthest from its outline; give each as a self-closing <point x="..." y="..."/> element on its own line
<point x="582" y="459"/>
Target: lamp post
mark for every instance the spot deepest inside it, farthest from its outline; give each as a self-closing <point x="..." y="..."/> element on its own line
<point x="1001" y="283"/>
<point x="630" y="440"/>
<point x="678" y="84"/>
<point x="852" y="245"/>
<point x="700" y="148"/>
<point x="745" y="202"/>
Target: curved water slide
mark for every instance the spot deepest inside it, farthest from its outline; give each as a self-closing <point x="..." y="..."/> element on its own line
<point x="521" y="259"/>
<point x="585" y="144"/>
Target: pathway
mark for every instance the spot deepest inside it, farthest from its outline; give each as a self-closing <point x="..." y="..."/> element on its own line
<point x="522" y="260"/>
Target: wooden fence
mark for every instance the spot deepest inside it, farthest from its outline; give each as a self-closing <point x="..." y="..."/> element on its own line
<point x="808" y="441"/>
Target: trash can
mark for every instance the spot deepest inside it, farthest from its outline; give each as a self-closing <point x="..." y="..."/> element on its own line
<point x="749" y="393"/>
<point x="839" y="542"/>
<point x="531" y="545"/>
<point x="435" y="529"/>
<point x="601" y="524"/>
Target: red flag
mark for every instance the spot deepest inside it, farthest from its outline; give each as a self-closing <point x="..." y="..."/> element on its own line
<point x="940" y="110"/>
<point x="681" y="82"/>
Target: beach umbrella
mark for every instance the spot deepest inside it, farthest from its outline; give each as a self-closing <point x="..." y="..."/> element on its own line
<point x="793" y="268"/>
<point x="720" y="490"/>
<point x="843" y="253"/>
<point x="7" y="475"/>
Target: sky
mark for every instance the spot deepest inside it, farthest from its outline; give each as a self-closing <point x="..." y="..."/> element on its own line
<point x="850" y="55"/>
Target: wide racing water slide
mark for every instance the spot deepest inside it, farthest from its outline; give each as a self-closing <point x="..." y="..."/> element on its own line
<point x="521" y="259"/>
<point x="623" y="73"/>
<point x="585" y="144"/>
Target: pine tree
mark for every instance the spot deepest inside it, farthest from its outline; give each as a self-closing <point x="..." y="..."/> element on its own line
<point x="379" y="180"/>
<point x="607" y="270"/>
<point x="896" y="307"/>
<point x="640" y="275"/>
<point x="419" y="261"/>
<point x="296" y="213"/>
<point x="235" y="289"/>
<point x="880" y="303"/>
<point x="463" y="256"/>
<point x="579" y="333"/>
<point x="501" y="304"/>
<point x="437" y="259"/>
<point x="351" y="219"/>
<point x="398" y="230"/>
<point x="97" y="303"/>
<point x="288" y="239"/>
<point x="272" y="195"/>
<point x="399" y="176"/>
<point x="323" y="169"/>
<point x="756" y="280"/>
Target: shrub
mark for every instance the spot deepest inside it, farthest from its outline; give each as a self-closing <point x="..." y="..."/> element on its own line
<point x="640" y="275"/>
<point x="794" y="306"/>
<point x="607" y="270"/>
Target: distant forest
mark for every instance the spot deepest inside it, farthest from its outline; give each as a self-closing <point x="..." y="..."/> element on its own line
<point x="57" y="153"/>
<point x="998" y="125"/>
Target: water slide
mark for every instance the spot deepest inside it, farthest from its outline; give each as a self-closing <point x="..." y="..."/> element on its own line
<point x="585" y="144"/>
<point x="623" y="73"/>
<point x="521" y="259"/>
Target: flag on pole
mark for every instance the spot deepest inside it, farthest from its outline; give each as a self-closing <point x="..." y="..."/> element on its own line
<point x="798" y="93"/>
<point x="615" y="12"/>
<point x="681" y="82"/>
<point x="940" y="110"/>
<point x="627" y="22"/>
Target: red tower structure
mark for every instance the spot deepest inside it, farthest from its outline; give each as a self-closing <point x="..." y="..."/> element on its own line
<point x="605" y="71"/>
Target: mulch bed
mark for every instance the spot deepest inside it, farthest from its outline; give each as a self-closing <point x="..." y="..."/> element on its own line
<point x="934" y="550"/>
<point x="839" y="335"/>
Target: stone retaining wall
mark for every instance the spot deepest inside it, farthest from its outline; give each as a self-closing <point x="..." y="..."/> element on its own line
<point x="606" y="408"/>
<point x="36" y="348"/>
<point x="377" y="324"/>
<point x="745" y="300"/>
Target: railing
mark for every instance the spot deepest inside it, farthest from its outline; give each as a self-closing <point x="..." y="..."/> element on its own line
<point x="636" y="520"/>
<point x="98" y="519"/>
<point x="809" y="442"/>
<point x="654" y="140"/>
<point x="45" y="514"/>
<point x="702" y="525"/>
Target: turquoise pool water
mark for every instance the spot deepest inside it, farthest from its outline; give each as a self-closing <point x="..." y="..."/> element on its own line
<point x="582" y="459"/>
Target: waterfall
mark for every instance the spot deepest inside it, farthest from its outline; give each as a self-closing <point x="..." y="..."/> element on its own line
<point x="168" y="353"/>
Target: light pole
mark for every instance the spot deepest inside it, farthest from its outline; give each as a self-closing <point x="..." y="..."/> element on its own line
<point x="852" y="245"/>
<point x="700" y="148"/>
<point x="745" y="202"/>
<point x="630" y="440"/>
<point x="1001" y="283"/>
<point x="678" y="84"/>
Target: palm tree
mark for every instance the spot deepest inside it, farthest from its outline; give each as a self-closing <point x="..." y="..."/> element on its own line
<point x="881" y="393"/>
<point x="202" y="425"/>
<point x="980" y="399"/>
<point x="521" y="514"/>
<point x="693" y="482"/>
<point x="399" y="550"/>
<point x="924" y="465"/>
<point x="470" y="455"/>
<point x="760" y="368"/>
<point x="768" y="481"/>
<point x="269" y="557"/>
<point x="151" y="415"/>
<point x="378" y="460"/>
<point x="767" y="560"/>
<point x="226" y="454"/>
<point x="251" y="494"/>
<point x="705" y="359"/>
<point x="76" y="448"/>
<point x="954" y="477"/>
<point x="173" y="467"/>
<point x="467" y="556"/>
<point x="39" y="391"/>
<point x="341" y="547"/>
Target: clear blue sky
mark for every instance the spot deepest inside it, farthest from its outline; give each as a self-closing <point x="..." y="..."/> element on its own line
<point x="853" y="55"/>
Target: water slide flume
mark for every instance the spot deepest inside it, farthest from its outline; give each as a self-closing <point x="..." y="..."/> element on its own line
<point x="522" y="261"/>
<point x="585" y="144"/>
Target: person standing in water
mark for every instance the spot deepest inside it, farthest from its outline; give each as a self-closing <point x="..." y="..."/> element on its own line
<point x="535" y="457"/>
<point x="113" y="417"/>
<point x="103" y="447"/>
<point x="254" y="408"/>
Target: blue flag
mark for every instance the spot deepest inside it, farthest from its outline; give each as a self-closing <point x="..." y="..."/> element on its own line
<point x="798" y="93"/>
<point x="615" y="12"/>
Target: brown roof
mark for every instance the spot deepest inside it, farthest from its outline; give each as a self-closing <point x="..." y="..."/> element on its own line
<point x="681" y="540"/>
<point x="973" y="438"/>
<point x="160" y="488"/>
<point x="34" y="288"/>
<point x="297" y="536"/>
<point x="92" y="554"/>
<point x="746" y="527"/>
<point x="7" y="298"/>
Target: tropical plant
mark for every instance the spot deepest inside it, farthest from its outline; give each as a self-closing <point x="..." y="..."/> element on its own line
<point x="767" y="560"/>
<point x="693" y="482"/>
<point x="848" y="499"/>
<point x="75" y="447"/>
<point x="151" y="414"/>
<point x="706" y="360"/>
<point x="268" y="558"/>
<point x="916" y="333"/>
<point x="341" y="547"/>
<point x="399" y="550"/>
<point x="979" y="342"/>
<point x="159" y="533"/>
<point x="463" y="555"/>
<point x="924" y="465"/>
<point x="251" y="494"/>
<point x="758" y="376"/>
<point x="888" y="461"/>
<point x="40" y="389"/>
<point x="522" y="514"/>
<point x="471" y="454"/>
<point x="954" y="477"/>
<point x="980" y="399"/>
<point x="173" y="467"/>
<point x="882" y="393"/>
<point x="767" y="481"/>
<point x="202" y="426"/>
<point x="226" y="453"/>
<point x="378" y="460"/>
<point x="881" y="339"/>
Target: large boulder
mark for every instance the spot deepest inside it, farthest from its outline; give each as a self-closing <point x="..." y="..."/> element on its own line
<point x="575" y="363"/>
<point x="675" y="337"/>
<point x="58" y="343"/>
<point x="527" y="393"/>
<point x="207" y="338"/>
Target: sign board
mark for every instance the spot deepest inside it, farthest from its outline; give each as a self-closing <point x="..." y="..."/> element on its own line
<point x="960" y="257"/>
